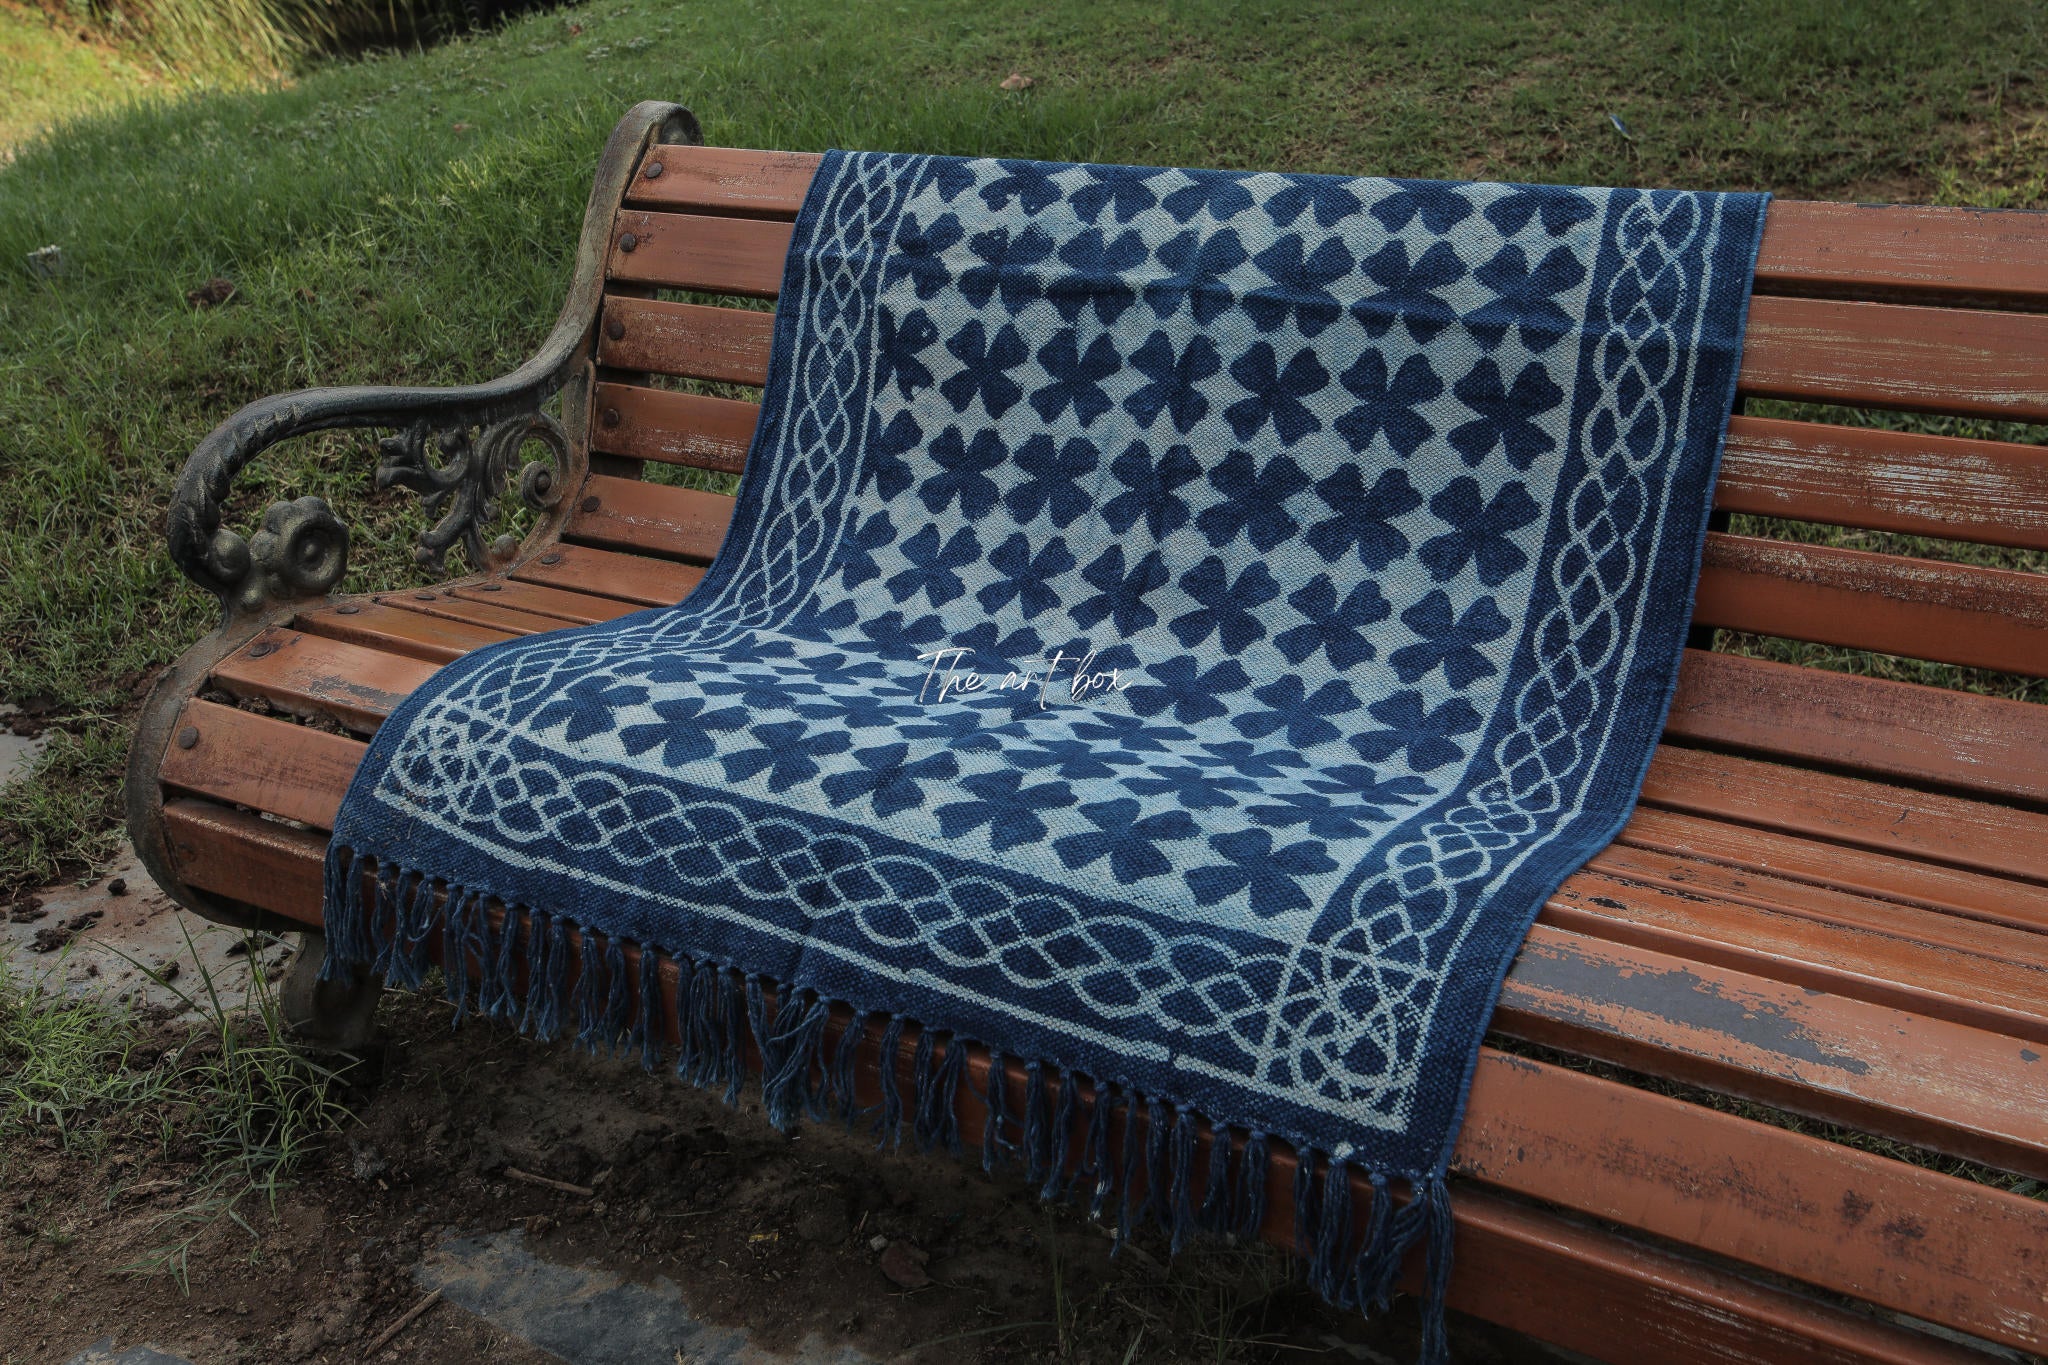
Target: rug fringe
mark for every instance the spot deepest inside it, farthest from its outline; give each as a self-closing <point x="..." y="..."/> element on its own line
<point x="386" y="921"/>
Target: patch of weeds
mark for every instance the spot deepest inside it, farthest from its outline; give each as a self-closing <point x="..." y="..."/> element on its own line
<point x="65" y="817"/>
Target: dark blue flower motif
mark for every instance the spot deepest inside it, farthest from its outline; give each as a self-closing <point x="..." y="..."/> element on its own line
<point x="1562" y="210"/>
<point x="1052" y="479"/>
<point x="1148" y="489"/>
<point x="1248" y="760"/>
<point x="1100" y="275"/>
<point x="814" y="622"/>
<point x="1028" y="182"/>
<point x="988" y="363"/>
<point x="666" y="668"/>
<point x="959" y="727"/>
<point x="992" y="649"/>
<point x="684" y="731"/>
<point x="1386" y="405"/>
<point x="763" y="692"/>
<point x="1225" y="609"/>
<point x="857" y="560"/>
<point x="1425" y="734"/>
<point x="1009" y="266"/>
<point x="1026" y="578"/>
<point x="886" y="448"/>
<point x="1129" y="733"/>
<point x="1332" y="200"/>
<point x="1217" y="191"/>
<point x="1073" y="759"/>
<point x="1301" y="714"/>
<point x="918" y="252"/>
<point x="1408" y="293"/>
<point x="1525" y="297"/>
<point x="756" y="647"/>
<point x="1006" y="806"/>
<point x="836" y="667"/>
<point x="964" y="467"/>
<point x="1301" y="284"/>
<point x="951" y="178"/>
<point x="1442" y="206"/>
<point x="1193" y="787"/>
<point x="1126" y="839"/>
<point x="890" y="777"/>
<point x="787" y="754"/>
<point x="898" y="347"/>
<point x="1275" y="394"/>
<point x="1480" y="531"/>
<point x="1364" y="517"/>
<point x="587" y="707"/>
<point x="1267" y="873"/>
<point x="1121" y="189"/>
<point x="1325" y="817"/>
<point x="1507" y="416"/>
<point x="1181" y="686"/>
<point x="1335" y="627"/>
<point x="859" y="711"/>
<point x="1076" y="376"/>
<point x="933" y="565"/>
<point x="1363" y="785"/>
<point x="897" y="639"/>
<point x="1254" y="500"/>
<point x="1449" y="639"/>
<point x="1195" y="261"/>
<point x="1176" y="380"/>
<point x="1121" y="598"/>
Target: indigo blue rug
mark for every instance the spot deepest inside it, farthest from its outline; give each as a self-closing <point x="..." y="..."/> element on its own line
<point x="1175" y="630"/>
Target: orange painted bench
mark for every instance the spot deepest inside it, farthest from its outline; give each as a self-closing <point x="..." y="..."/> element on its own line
<point x="1827" y="921"/>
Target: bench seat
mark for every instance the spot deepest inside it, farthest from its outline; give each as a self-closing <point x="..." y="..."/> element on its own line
<point x="1757" y="1064"/>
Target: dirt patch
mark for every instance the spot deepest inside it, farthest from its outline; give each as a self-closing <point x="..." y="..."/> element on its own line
<point x="793" y="1240"/>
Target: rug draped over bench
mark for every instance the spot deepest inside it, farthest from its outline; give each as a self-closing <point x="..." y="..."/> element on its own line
<point x="1175" y="630"/>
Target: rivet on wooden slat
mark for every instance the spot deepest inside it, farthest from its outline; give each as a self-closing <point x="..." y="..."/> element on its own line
<point x="628" y="242"/>
<point x="258" y="651"/>
<point x="611" y="417"/>
<point x="187" y="737"/>
<point x="653" y="171"/>
<point x="590" y="503"/>
<point x="614" y="328"/>
<point x="424" y="596"/>
<point x="491" y="587"/>
<point x="550" y="559"/>
<point x="347" y="609"/>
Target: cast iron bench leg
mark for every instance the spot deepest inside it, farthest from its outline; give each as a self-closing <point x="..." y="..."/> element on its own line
<point x="340" y="1015"/>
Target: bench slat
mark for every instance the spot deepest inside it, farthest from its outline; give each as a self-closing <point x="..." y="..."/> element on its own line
<point x="487" y="611"/>
<point x="307" y="675"/>
<point x="1892" y="730"/>
<point x="692" y="251"/>
<point x="606" y="573"/>
<point x="1920" y="608"/>
<point x="569" y="608"/>
<point x="1937" y="1247"/>
<point x="433" y="638"/>
<point x="1991" y="492"/>
<point x="264" y="763"/>
<point x="673" y="428"/>
<point x="650" y="518"/>
<point x="688" y="340"/>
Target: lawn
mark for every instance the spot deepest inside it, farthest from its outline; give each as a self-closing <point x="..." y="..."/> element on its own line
<point x="410" y="219"/>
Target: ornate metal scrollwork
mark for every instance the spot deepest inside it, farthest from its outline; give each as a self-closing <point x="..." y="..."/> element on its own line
<point x="464" y="486"/>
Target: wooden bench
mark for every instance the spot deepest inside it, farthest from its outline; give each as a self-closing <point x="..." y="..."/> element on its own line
<point x="1832" y="903"/>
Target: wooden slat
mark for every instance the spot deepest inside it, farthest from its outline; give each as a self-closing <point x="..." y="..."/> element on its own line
<point x="674" y="428"/>
<point x="1943" y="1249"/>
<point x="725" y="180"/>
<point x="1898" y="731"/>
<point x="692" y="251"/>
<point x="1870" y="250"/>
<point x="482" y="611"/>
<point x="606" y="573"/>
<point x="1963" y="361"/>
<point x="650" y="518"/>
<point x="1972" y="895"/>
<point x="266" y="764"/>
<point x="1904" y="971"/>
<point x="1912" y="824"/>
<point x="1967" y="1092"/>
<point x="688" y="340"/>
<point x="306" y="675"/>
<point x="568" y="608"/>
<point x="1919" y="608"/>
<point x="255" y="861"/>
<point x="434" y="639"/>
<point x="1992" y="492"/>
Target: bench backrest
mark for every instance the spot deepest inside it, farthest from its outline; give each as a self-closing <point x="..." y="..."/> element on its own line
<point x="1864" y="309"/>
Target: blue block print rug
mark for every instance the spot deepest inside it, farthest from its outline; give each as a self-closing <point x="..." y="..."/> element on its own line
<point x="1175" y="630"/>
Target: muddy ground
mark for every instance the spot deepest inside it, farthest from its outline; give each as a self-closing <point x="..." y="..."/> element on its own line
<point x="810" y="1247"/>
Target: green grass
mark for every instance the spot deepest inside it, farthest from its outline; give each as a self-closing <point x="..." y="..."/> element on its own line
<point x="410" y="219"/>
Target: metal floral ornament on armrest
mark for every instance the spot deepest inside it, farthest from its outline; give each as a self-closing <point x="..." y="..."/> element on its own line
<point x="464" y="486"/>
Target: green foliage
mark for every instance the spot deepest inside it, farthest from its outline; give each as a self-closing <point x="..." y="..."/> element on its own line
<point x="410" y="219"/>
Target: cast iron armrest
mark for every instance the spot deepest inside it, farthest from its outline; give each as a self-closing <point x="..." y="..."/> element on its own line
<point x="455" y="446"/>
